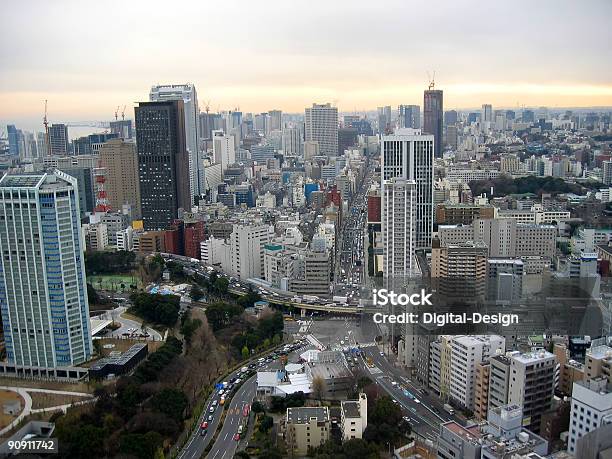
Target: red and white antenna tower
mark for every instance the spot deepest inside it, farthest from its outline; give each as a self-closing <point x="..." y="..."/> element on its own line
<point x="102" y="204"/>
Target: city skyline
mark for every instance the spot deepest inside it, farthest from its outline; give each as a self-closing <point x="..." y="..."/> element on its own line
<point x="359" y="58"/>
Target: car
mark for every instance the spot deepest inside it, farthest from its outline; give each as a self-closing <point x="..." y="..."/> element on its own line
<point x="204" y="425"/>
<point x="203" y="432"/>
<point x="211" y="409"/>
<point x="237" y="437"/>
<point x="382" y="354"/>
<point x="416" y="400"/>
<point x="210" y="418"/>
<point x="221" y="392"/>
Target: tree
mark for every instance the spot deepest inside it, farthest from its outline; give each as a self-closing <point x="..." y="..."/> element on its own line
<point x="221" y="285"/>
<point x="171" y="402"/>
<point x="245" y="353"/>
<point x="257" y="407"/>
<point x="319" y="386"/>
<point x="266" y="423"/>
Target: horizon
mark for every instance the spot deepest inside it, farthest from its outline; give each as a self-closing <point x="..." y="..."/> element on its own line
<point x="360" y="56"/>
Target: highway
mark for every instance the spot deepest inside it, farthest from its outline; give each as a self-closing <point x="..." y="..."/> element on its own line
<point x="225" y="446"/>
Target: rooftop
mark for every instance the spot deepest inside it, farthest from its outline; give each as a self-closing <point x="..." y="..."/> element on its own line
<point x="303" y="415"/>
<point x="470" y="434"/>
<point x="351" y="409"/>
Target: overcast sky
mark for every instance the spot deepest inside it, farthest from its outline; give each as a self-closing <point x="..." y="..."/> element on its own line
<point x="88" y="57"/>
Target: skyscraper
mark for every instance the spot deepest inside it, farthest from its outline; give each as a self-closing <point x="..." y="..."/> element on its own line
<point x="321" y="125"/>
<point x="13" y="138"/>
<point x="43" y="295"/>
<point x="487" y="113"/>
<point x="384" y="119"/>
<point x="162" y="162"/>
<point x="409" y="116"/>
<point x="432" y="117"/>
<point x="224" y="149"/>
<point x="187" y="93"/>
<point x="276" y="120"/>
<point x="120" y="160"/>
<point x="58" y="139"/>
<point x="407" y="195"/>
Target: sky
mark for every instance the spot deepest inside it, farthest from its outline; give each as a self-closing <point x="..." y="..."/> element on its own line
<point x="88" y="57"/>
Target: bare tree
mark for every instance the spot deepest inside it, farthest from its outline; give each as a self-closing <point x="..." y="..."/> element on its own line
<point x="319" y="386"/>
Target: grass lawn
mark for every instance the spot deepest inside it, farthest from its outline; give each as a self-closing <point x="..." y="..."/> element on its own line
<point x="113" y="282"/>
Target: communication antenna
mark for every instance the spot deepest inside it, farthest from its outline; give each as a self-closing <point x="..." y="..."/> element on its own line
<point x="46" y="124"/>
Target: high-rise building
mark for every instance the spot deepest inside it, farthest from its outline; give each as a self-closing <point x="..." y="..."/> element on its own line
<point x="384" y="120"/>
<point x="247" y="243"/>
<point x="433" y="113"/>
<point x="41" y="144"/>
<point x="408" y="155"/>
<point x="122" y="186"/>
<point x="187" y="93"/>
<point x="45" y="313"/>
<point x="276" y="120"/>
<point x="486" y="115"/>
<point x="321" y="125"/>
<point x="58" y="139"/>
<point x="293" y="141"/>
<point x="224" y="150"/>
<point x="122" y="128"/>
<point x="409" y="116"/>
<point x="162" y="162"/>
<point x="450" y="117"/>
<point x="13" y="139"/>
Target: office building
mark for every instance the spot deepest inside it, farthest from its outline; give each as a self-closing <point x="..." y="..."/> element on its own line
<point x="321" y="125"/>
<point x="591" y="408"/>
<point x="45" y="313"/>
<point x="499" y="379"/>
<point x="459" y="271"/>
<point x="532" y="385"/>
<point x="505" y="280"/>
<point x="224" y="149"/>
<point x="293" y="141"/>
<point x="306" y="427"/>
<point x="247" y="243"/>
<point x="58" y="139"/>
<point x="486" y="115"/>
<point x="162" y="161"/>
<point x="120" y="161"/>
<point x="95" y="236"/>
<point x="433" y="113"/>
<point x="384" y="120"/>
<point x="408" y="155"/>
<point x="122" y="129"/>
<point x="450" y="118"/>
<point x="456" y="441"/>
<point x="276" y="120"/>
<point x="409" y="116"/>
<point x="187" y="93"/>
<point x="453" y="364"/>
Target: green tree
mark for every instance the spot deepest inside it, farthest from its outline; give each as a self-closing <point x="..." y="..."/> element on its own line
<point x="171" y="402"/>
<point x="196" y="293"/>
<point x="245" y="353"/>
<point x="221" y="285"/>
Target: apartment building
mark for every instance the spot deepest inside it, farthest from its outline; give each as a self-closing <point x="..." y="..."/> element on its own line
<point x="306" y="427"/>
<point x="354" y="417"/>
<point x="481" y="391"/>
<point x="462" y="214"/>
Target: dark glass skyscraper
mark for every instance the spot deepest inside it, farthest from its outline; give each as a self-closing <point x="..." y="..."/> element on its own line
<point x="163" y="163"/>
<point x="433" y="114"/>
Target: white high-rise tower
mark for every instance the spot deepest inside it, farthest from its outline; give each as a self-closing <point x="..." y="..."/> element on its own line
<point x="43" y="295"/>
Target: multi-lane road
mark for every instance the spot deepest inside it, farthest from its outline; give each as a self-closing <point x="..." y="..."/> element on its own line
<point x="242" y="393"/>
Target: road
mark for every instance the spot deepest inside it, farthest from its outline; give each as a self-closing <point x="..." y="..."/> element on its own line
<point x="225" y="446"/>
<point x="424" y="415"/>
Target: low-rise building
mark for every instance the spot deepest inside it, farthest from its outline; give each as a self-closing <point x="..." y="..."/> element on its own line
<point x="306" y="427"/>
<point x="354" y="417"/>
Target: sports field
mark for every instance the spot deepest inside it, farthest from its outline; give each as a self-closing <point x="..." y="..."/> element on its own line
<point x="114" y="282"/>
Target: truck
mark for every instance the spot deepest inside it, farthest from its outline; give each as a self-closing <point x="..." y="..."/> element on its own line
<point x="310" y="298"/>
<point x="449" y="409"/>
<point x="340" y="299"/>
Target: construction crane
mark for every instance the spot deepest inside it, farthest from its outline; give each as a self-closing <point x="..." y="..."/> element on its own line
<point x="46" y="124"/>
<point x="207" y="106"/>
<point x="116" y="112"/>
<point x="123" y="114"/>
<point x="431" y="79"/>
